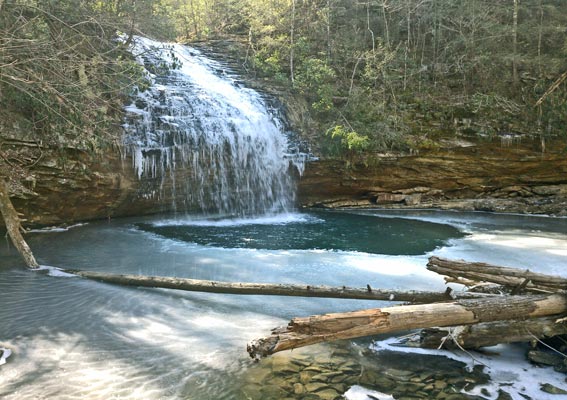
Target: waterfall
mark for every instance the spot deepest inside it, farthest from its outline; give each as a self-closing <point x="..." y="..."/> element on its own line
<point x="196" y="115"/>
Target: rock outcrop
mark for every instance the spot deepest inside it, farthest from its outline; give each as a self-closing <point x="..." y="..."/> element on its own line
<point x="481" y="176"/>
<point x="84" y="186"/>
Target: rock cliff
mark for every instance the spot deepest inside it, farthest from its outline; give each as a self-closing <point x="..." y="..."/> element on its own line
<point x="474" y="176"/>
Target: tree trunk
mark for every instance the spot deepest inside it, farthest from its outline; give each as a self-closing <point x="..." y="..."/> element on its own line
<point x="12" y="221"/>
<point x="343" y="292"/>
<point x="490" y="334"/>
<point x="321" y="328"/>
<point x="328" y="26"/>
<point x="510" y="277"/>
<point x="292" y="43"/>
<point x="515" y="77"/>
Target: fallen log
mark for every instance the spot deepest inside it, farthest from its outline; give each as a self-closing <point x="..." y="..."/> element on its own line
<point x="488" y="334"/>
<point x="13" y="226"/>
<point x="321" y="328"/>
<point x="506" y="276"/>
<point x="343" y="292"/>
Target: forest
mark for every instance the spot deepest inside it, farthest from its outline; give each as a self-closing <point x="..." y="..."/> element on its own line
<point x="183" y="178"/>
<point x="378" y="75"/>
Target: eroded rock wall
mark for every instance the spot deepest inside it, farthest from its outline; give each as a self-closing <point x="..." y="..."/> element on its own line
<point x="66" y="185"/>
<point x="483" y="176"/>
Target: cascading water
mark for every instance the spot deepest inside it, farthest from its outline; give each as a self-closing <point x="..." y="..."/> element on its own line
<point x="196" y="116"/>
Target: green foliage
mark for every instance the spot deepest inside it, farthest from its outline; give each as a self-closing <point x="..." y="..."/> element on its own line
<point x="315" y="79"/>
<point x="348" y="140"/>
<point x="382" y="75"/>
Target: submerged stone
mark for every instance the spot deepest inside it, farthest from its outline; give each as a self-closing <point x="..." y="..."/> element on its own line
<point x="549" y="388"/>
<point x="315" y="386"/>
<point x="283" y="365"/>
<point x="545" y="358"/>
<point x="376" y="380"/>
<point x="329" y="394"/>
<point x="298" y="388"/>
<point x="257" y="375"/>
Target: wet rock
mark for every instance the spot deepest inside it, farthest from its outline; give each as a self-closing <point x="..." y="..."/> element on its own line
<point x="349" y="365"/>
<point x="310" y="396"/>
<point x="502" y="395"/>
<point x="303" y="363"/>
<point x="315" y="386"/>
<point x="376" y="380"/>
<point x="314" y="368"/>
<point x="440" y="385"/>
<point x="252" y="391"/>
<point x="410" y="387"/>
<point x="325" y="377"/>
<point x="272" y="392"/>
<point x="340" y="378"/>
<point x="399" y="375"/>
<point x="283" y="365"/>
<point x="257" y="375"/>
<point x="329" y="394"/>
<point x="298" y="388"/>
<point x="305" y="376"/>
<point x="141" y="104"/>
<point x="286" y="384"/>
<point x="429" y="387"/>
<point x="549" y="388"/>
<point x="545" y="358"/>
<point x="341" y="387"/>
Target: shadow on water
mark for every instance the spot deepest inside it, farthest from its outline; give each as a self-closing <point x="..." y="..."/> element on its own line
<point x="70" y="329"/>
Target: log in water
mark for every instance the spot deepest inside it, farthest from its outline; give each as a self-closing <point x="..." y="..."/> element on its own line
<point x="323" y="328"/>
<point x="249" y="288"/>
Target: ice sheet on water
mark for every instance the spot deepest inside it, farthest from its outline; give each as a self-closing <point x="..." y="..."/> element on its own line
<point x="4" y="354"/>
<point x="505" y="364"/>
<point x="275" y="219"/>
<point x="54" y="271"/>
<point x="359" y="393"/>
<point x="52" y="229"/>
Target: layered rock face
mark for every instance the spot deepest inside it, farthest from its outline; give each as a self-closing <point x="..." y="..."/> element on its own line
<point x="482" y="176"/>
<point x="82" y="187"/>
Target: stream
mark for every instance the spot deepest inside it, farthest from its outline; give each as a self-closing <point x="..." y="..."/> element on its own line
<point x="72" y="338"/>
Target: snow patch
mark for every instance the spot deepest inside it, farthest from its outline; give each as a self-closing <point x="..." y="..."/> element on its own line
<point x="4" y="354"/>
<point x="360" y="393"/>
<point x="54" y="271"/>
<point x="51" y="229"/>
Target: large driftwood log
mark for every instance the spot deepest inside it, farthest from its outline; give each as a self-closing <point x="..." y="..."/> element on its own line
<point x="343" y="292"/>
<point x="489" y="333"/>
<point x="511" y="277"/>
<point x="321" y="328"/>
<point x="12" y="221"/>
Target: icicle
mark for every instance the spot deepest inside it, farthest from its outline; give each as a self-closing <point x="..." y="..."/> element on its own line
<point x="192" y="117"/>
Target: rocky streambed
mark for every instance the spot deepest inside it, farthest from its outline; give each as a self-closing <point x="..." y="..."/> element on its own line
<point x="326" y="372"/>
<point x="354" y="371"/>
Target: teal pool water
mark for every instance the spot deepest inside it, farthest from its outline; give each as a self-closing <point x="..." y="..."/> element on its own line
<point x="310" y="231"/>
